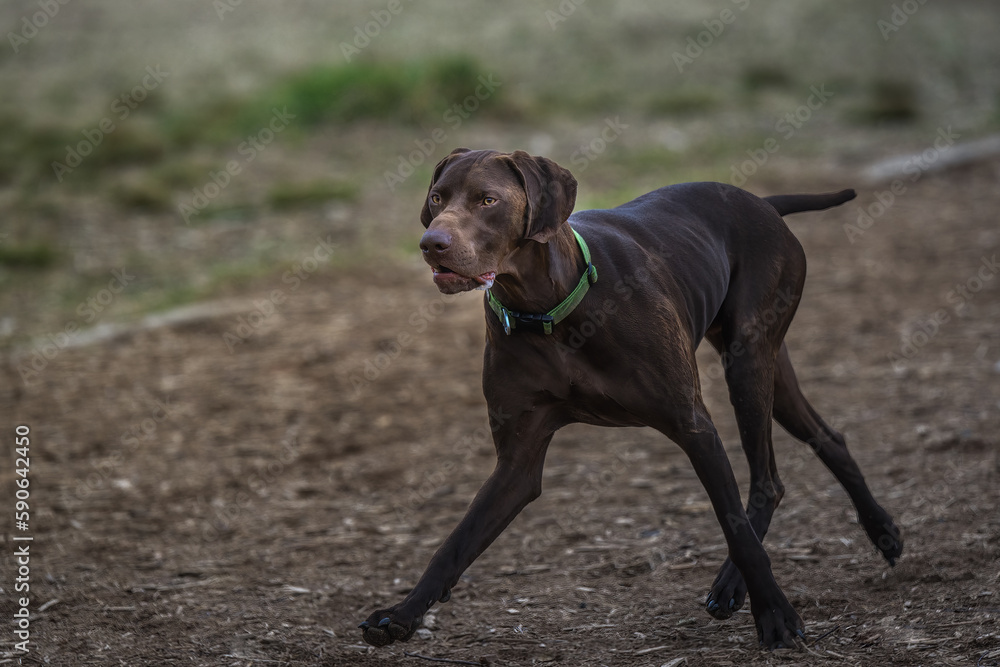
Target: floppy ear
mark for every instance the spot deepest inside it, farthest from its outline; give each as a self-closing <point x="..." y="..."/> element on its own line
<point x="551" y="192"/>
<point x="425" y="212"/>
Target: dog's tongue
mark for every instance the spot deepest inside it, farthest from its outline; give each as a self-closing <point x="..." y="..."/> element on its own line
<point x="486" y="280"/>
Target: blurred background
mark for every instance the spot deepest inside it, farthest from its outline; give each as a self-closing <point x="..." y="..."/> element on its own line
<point x="254" y="417"/>
<point x="694" y="85"/>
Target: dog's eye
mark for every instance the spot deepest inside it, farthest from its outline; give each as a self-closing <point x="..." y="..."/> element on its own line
<point x="489" y="201"/>
<point x="435" y="199"/>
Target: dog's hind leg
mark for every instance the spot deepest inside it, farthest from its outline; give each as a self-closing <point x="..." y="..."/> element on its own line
<point x="777" y="622"/>
<point x="750" y="377"/>
<point x="794" y="413"/>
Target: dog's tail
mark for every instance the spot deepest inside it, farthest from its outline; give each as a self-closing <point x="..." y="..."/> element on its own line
<point x="785" y="204"/>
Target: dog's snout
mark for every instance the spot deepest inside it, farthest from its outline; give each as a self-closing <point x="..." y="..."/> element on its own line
<point x="435" y="242"/>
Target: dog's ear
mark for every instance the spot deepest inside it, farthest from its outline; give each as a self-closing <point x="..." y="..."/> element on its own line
<point x="425" y="212"/>
<point x="551" y="193"/>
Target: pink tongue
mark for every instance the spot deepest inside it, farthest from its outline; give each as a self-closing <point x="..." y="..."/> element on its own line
<point x="487" y="277"/>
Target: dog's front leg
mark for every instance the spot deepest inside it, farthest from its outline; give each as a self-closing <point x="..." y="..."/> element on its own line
<point x="516" y="481"/>
<point x="778" y="624"/>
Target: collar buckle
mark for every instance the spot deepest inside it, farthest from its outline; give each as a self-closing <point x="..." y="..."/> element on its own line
<point x="543" y="322"/>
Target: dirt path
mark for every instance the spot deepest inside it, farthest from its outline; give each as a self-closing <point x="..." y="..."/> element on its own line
<point x="198" y="506"/>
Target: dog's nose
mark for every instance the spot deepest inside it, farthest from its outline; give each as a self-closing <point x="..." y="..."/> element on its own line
<point x="435" y="242"/>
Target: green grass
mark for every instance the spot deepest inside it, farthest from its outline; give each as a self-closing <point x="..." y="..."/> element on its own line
<point x="284" y="196"/>
<point x="37" y="255"/>
<point x="174" y="296"/>
<point x="182" y="171"/>
<point x="410" y="92"/>
<point x="239" y="211"/>
<point x="682" y="101"/>
<point x="262" y="269"/>
<point x="28" y="152"/>
<point x="143" y="194"/>
<point x="889" y="100"/>
<point x="136" y="141"/>
<point x="762" y="76"/>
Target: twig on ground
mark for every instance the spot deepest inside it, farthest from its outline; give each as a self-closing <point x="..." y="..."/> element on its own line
<point x="825" y="635"/>
<point x="448" y="660"/>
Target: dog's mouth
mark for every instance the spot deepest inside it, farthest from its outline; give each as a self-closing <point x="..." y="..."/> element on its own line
<point x="452" y="282"/>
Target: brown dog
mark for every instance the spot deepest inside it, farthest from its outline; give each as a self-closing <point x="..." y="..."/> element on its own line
<point x="603" y="331"/>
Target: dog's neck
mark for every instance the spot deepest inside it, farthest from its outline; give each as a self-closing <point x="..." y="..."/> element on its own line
<point x="536" y="277"/>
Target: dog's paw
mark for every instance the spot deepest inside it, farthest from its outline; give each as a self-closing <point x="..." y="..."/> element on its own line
<point x="388" y="625"/>
<point x="890" y="543"/>
<point x="886" y="537"/>
<point x="728" y="593"/>
<point x="778" y="624"/>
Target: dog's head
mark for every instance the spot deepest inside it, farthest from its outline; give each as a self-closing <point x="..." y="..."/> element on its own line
<point x="482" y="206"/>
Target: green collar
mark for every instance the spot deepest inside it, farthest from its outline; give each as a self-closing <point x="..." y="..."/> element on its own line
<point x="511" y="319"/>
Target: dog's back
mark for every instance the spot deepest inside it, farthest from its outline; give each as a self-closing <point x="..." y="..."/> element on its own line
<point x="701" y="236"/>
